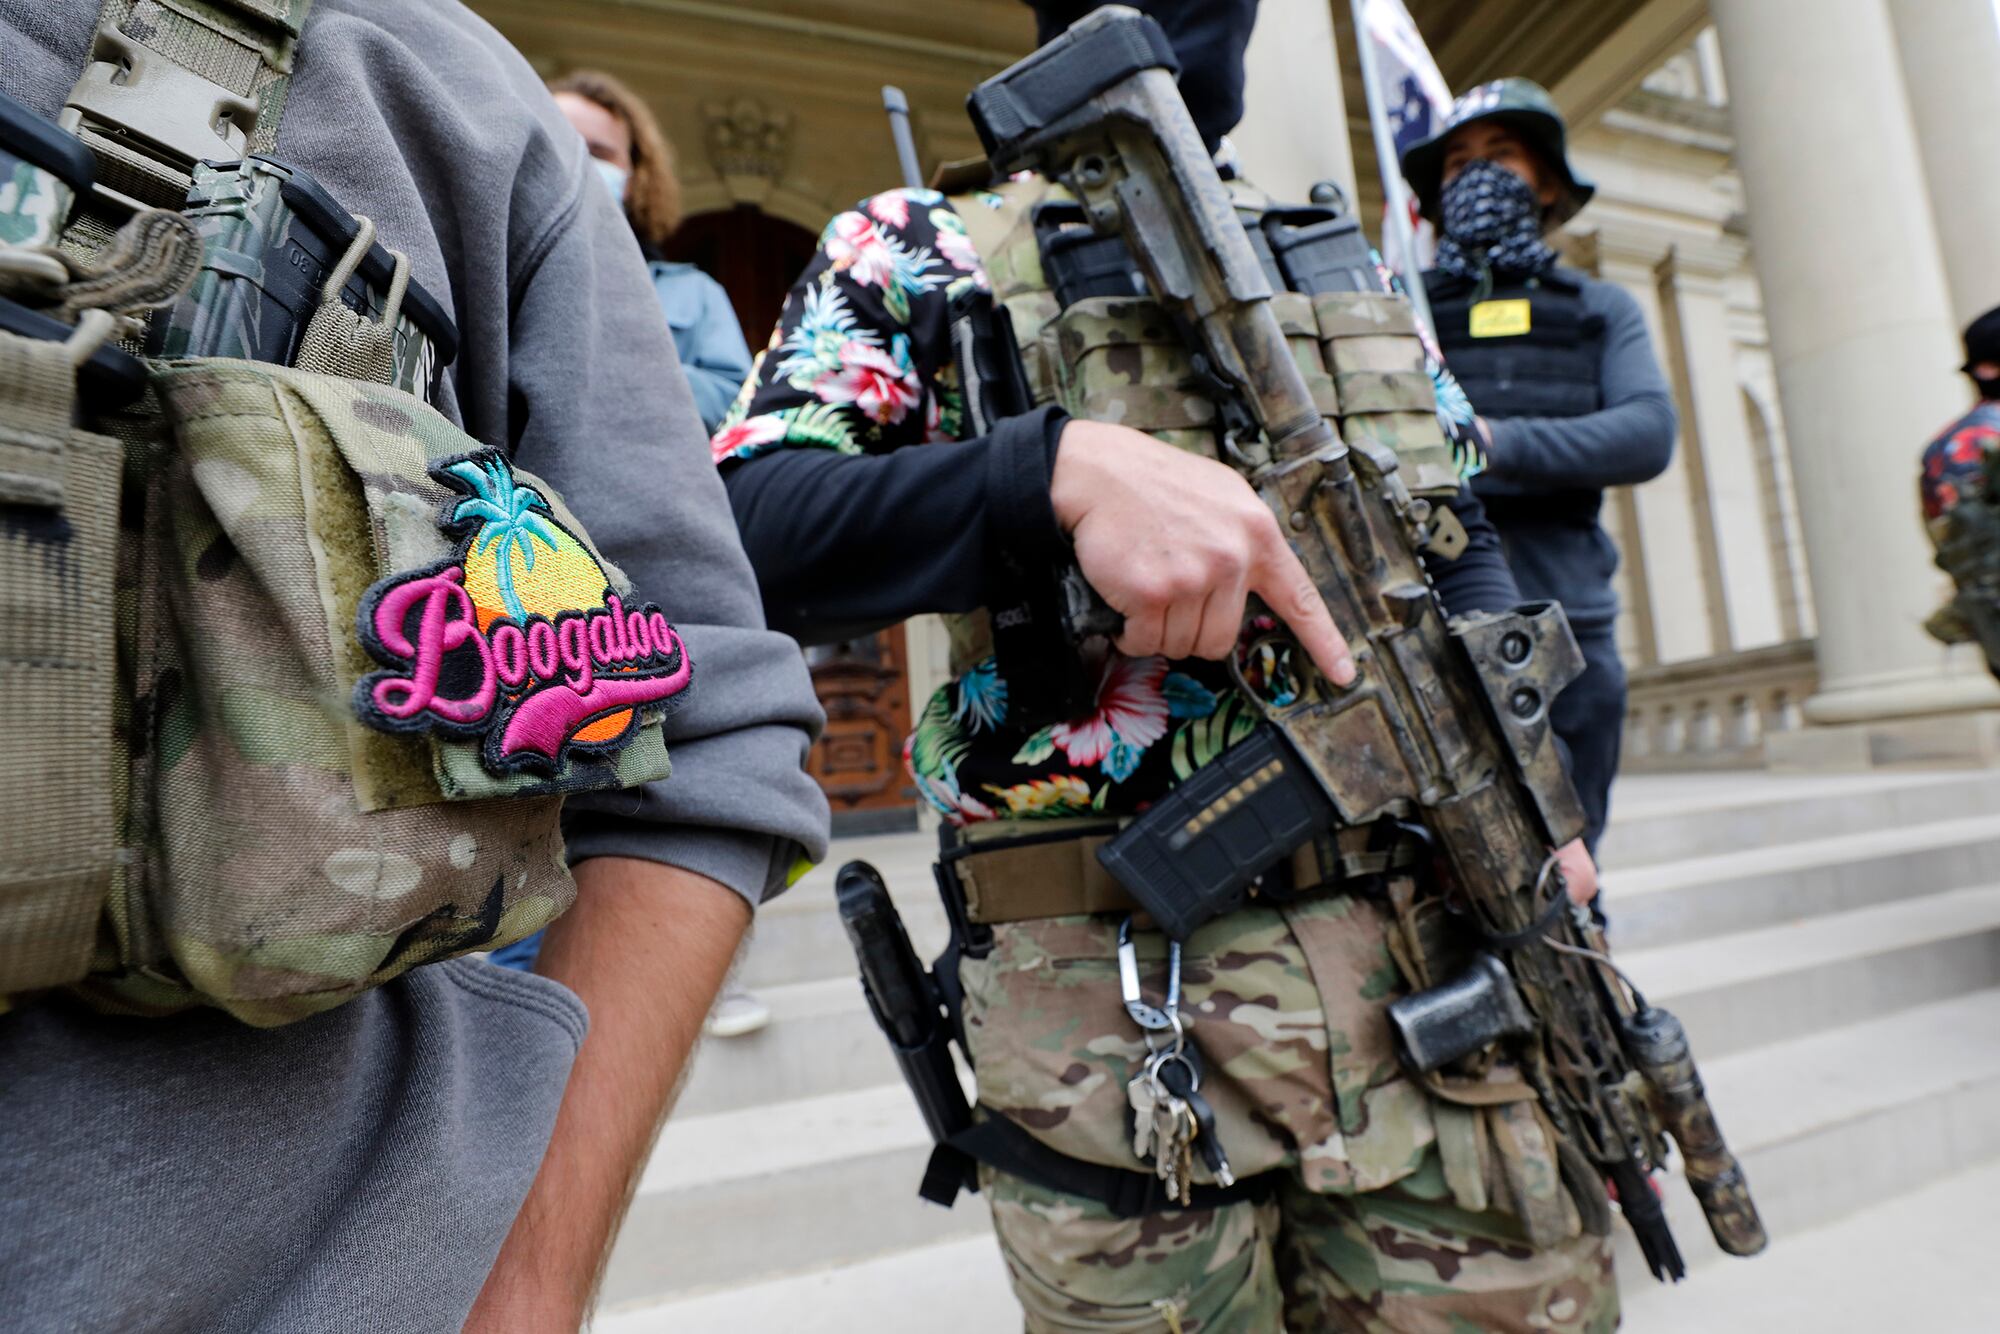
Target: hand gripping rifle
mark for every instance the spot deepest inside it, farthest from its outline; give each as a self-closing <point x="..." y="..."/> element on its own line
<point x="1446" y="725"/>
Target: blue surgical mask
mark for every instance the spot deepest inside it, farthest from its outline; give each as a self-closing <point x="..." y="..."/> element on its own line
<point x="614" y="178"/>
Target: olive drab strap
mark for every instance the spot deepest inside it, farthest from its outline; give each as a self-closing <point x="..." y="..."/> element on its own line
<point x="59" y="499"/>
<point x="174" y="82"/>
<point x="344" y="342"/>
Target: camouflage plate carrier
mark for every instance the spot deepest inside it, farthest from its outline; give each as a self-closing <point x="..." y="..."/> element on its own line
<point x="295" y="672"/>
<point x="1120" y="359"/>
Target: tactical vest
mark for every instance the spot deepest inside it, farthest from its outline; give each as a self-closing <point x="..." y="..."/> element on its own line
<point x="1120" y="359"/>
<point x="296" y="672"/>
<point x="1527" y="349"/>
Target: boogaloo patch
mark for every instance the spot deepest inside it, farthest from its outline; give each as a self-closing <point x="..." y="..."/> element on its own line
<point x="519" y="640"/>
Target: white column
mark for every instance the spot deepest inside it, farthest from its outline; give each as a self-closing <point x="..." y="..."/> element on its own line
<point x="1951" y="67"/>
<point x="1696" y="277"/>
<point x="1861" y="333"/>
<point x="1675" y="589"/>
<point x="1294" y="129"/>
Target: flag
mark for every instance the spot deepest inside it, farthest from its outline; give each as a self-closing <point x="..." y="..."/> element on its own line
<point x="1415" y="100"/>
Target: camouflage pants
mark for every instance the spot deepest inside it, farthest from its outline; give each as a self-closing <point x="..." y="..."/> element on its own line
<point x="1396" y="1213"/>
<point x="1401" y="1260"/>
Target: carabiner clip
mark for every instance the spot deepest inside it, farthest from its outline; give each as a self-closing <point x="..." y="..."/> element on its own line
<point x="1156" y="1019"/>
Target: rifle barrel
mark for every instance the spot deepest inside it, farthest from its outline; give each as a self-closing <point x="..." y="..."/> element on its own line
<point x="898" y="107"/>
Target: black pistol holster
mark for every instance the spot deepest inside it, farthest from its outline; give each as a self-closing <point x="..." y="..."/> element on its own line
<point x="918" y="1010"/>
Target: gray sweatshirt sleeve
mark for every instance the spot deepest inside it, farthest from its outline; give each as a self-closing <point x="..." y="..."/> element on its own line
<point x="595" y="416"/>
<point x="1629" y="440"/>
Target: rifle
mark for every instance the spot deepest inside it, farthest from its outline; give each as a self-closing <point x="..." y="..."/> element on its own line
<point x="1446" y="725"/>
<point x="898" y="108"/>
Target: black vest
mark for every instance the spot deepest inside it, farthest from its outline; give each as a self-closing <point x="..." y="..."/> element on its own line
<point x="1551" y="535"/>
<point x="1549" y="371"/>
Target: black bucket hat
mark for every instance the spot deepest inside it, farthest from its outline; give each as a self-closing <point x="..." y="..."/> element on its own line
<point x="1525" y="107"/>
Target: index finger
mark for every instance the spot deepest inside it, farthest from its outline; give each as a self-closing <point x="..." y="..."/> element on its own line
<point x="1288" y="590"/>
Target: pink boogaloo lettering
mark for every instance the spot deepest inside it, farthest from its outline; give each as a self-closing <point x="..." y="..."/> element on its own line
<point x="446" y="620"/>
<point x="549" y="717"/>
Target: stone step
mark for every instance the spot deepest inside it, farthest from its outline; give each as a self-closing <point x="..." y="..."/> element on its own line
<point x="821" y="1039"/>
<point x="737" y="1212"/>
<point x="1698" y="897"/>
<point x="1666" y="817"/>
<point x="1773" y="982"/>
<point x="1771" y="985"/>
<point x="765" y="1190"/>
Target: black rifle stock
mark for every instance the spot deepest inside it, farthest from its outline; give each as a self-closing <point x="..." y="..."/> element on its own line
<point x="1446" y="724"/>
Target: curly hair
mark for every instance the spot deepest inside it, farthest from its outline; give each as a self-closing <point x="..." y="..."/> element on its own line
<point x="653" y="195"/>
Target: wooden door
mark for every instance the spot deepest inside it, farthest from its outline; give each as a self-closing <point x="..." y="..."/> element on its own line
<point x="864" y="686"/>
<point x="755" y="257"/>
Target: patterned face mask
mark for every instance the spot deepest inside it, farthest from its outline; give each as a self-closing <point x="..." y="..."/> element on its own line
<point x="1492" y="220"/>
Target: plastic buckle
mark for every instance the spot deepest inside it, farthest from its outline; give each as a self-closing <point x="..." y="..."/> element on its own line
<point x="133" y="95"/>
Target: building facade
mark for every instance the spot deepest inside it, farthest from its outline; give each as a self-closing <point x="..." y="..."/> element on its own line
<point x="1801" y="219"/>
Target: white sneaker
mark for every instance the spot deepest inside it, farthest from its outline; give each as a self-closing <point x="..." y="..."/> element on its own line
<point x="737" y="1013"/>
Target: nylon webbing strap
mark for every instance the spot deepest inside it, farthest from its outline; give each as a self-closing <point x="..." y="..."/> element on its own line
<point x="1021" y="880"/>
<point x="1005" y="1147"/>
<point x="174" y="82"/>
<point x="59" y="490"/>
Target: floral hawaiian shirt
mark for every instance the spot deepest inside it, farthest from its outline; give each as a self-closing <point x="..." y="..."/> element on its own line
<point x="1954" y="464"/>
<point x="861" y="362"/>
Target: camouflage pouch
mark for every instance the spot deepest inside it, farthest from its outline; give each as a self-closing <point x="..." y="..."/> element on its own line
<point x="1497" y="1147"/>
<point x="1376" y="358"/>
<point x="1121" y="360"/>
<point x="368" y="659"/>
<point x="271" y="236"/>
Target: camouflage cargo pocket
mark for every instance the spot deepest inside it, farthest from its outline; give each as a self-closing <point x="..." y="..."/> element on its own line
<point x="369" y="660"/>
<point x="1287" y="1010"/>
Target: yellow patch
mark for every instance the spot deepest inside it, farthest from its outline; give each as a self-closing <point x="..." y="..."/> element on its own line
<point x="1500" y="319"/>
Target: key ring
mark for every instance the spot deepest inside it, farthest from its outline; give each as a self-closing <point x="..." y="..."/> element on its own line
<point x="1171" y="1047"/>
<point x="1155" y="1018"/>
<point x="1163" y="1056"/>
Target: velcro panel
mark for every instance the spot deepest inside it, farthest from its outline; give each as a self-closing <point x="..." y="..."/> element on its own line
<point x="1353" y="314"/>
<point x="1385" y="391"/>
<point x="1120" y="360"/>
